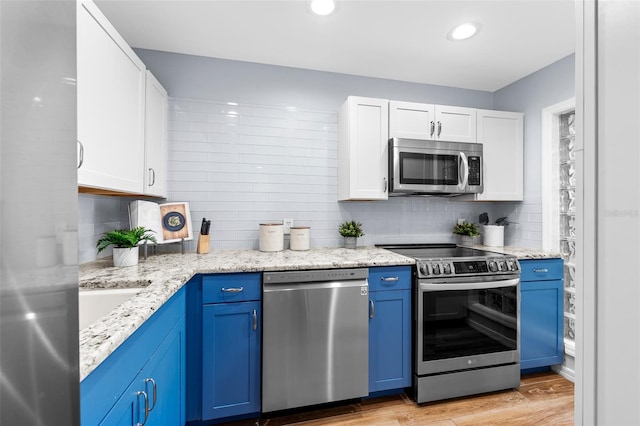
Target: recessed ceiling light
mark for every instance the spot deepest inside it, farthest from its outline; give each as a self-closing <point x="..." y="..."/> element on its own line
<point x="323" y="7"/>
<point x="463" y="31"/>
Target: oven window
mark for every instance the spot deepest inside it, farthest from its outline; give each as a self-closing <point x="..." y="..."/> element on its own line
<point x="459" y="323"/>
<point x="428" y="169"/>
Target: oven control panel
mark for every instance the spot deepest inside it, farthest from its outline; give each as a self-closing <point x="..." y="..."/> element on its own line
<point x="435" y="268"/>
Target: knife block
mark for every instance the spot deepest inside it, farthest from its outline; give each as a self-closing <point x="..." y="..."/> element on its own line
<point x="203" y="244"/>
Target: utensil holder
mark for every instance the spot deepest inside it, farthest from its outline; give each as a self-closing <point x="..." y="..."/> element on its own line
<point x="493" y="235"/>
<point x="203" y="244"/>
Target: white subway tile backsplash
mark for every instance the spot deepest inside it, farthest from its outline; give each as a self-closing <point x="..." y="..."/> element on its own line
<point x="242" y="165"/>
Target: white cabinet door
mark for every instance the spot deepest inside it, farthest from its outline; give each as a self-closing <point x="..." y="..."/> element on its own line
<point x="411" y="120"/>
<point x="456" y="124"/>
<point x="501" y="135"/>
<point x="431" y="122"/>
<point x="155" y="138"/>
<point x="362" y="149"/>
<point x="111" y="86"/>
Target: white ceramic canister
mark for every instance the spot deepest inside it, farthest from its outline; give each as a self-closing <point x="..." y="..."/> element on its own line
<point x="271" y="237"/>
<point x="300" y="237"/>
<point x="493" y="235"/>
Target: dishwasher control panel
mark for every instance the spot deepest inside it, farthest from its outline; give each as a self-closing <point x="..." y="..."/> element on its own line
<point x="321" y="275"/>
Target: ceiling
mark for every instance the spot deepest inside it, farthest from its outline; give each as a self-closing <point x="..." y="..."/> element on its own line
<point x="392" y="39"/>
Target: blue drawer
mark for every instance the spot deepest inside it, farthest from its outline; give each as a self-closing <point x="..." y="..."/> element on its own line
<point x="390" y="278"/>
<point x="222" y="288"/>
<point x="541" y="269"/>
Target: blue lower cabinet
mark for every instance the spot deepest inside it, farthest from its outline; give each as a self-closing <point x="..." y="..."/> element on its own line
<point x="541" y="313"/>
<point x="230" y="359"/>
<point x="389" y="328"/>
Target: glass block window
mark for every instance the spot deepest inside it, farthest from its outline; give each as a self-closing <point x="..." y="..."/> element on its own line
<point x="567" y="223"/>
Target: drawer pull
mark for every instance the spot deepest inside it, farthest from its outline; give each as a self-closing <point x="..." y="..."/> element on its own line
<point x="255" y="320"/>
<point x="390" y="279"/>
<point x="540" y="270"/>
<point x="232" y="289"/>
<point x="372" y="309"/>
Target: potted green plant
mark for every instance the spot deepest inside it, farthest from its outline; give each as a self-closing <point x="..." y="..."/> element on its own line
<point x="351" y="230"/>
<point x="125" y="242"/>
<point x="467" y="231"/>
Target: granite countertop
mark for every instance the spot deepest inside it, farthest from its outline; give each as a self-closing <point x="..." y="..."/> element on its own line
<point x="521" y="253"/>
<point x="161" y="276"/>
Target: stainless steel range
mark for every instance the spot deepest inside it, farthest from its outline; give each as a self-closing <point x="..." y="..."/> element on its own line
<point x="466" y="321"/>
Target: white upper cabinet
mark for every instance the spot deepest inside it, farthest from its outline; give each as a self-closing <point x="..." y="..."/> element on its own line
<point x="456" y="124"/>
<point x="362" y="149"/>
<point x="432" y="122"/>
<point x="155" y="138"/>
<point x="111" y="106"/>
<point x="411" y="120"/>
<point x="501" y="136"/>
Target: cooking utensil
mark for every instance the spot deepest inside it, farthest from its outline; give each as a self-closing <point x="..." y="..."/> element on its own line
<point x="203" y="226"/>
<point x="502" y="221"/>
<point x="207" y="227"/>
<point x="483" y="219"/>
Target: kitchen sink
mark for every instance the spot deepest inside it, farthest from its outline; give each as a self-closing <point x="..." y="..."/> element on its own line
<point x="94" y="304"/>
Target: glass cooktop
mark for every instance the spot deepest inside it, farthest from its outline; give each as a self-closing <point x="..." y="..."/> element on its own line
<point x="435" y="251"/>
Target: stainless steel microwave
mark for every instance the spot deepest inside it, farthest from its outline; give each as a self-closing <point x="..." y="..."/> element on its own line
<point x="424" y="167"/>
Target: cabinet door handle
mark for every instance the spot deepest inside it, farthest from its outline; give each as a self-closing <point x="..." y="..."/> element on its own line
<point x="384" y="187"/>
<point x="540" y="270"/>
<point x="232" y="289"/>
<point x="433" y="129"/>
<point x="152" y="176"/>
<point x="81" y="159"/>
<point x="155" y="392"/>
<point x="439" y="128"/>
<point x="372" y="309"/>
<point x="146" y="408"/>
<point x="255" y="320"/>
<point x="390" y="279"/>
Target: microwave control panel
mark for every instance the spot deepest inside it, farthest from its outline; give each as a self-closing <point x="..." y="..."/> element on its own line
<point x="474" y="171"/>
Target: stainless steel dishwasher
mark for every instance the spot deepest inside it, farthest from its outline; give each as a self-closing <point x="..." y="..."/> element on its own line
<point x="315" y="337"/>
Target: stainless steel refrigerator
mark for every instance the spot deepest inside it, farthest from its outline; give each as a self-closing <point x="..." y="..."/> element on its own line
<point x="39" y="379"/>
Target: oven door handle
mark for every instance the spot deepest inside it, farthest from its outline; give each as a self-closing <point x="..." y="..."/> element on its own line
<point x="469" y="285"/>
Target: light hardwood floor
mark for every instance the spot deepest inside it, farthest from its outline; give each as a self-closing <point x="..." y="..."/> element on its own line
<point x="542" y="399"/>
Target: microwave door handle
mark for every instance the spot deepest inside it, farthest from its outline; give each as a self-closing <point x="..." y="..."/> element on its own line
<point x="463" y="177"/>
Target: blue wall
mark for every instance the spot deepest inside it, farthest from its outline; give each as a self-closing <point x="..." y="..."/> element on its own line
<point x="269" y="92"/>
<point x="186" y="76"/>
<point x="530" y="95"/>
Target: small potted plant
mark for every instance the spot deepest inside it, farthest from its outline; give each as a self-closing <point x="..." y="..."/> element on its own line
<point x="125" y="242"/>
<point x="467" y="231"/>
<point x="351" y="230"/>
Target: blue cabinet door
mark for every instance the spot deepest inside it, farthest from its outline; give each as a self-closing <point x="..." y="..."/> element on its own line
<point x="231" y="359"/>
<point x="389" y="328"/>
<point x="156" y="395"/>
<point x="541" y="325"/>
<point x="389" y="340"/>
<point x="167" y="369"/>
